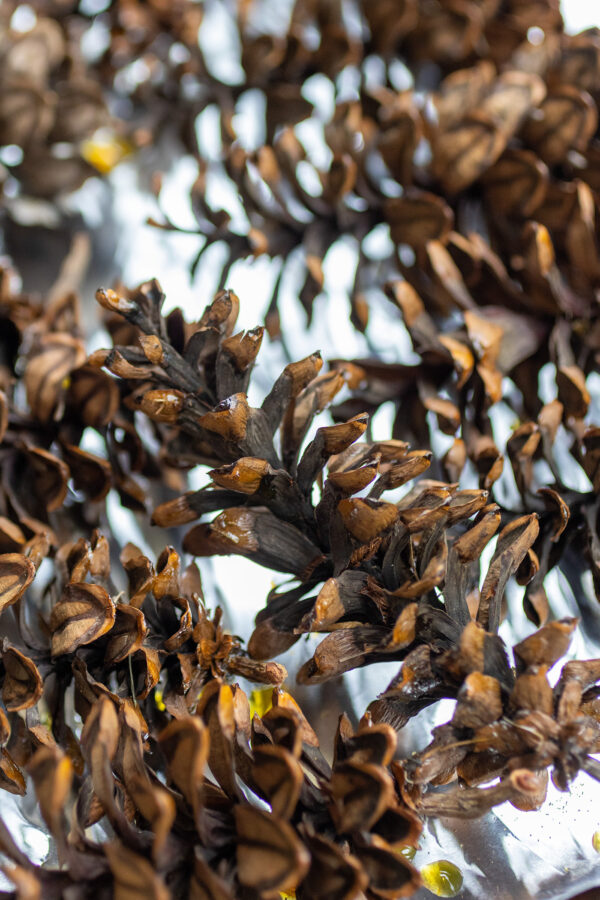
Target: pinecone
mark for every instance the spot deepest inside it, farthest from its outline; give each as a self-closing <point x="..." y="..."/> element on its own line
<point x="50" y="104"/>
<point x="117" y="702"/>
<point x="400" y="579"/>
<point x="332" y="831"/>
<point x="470" y="133"/>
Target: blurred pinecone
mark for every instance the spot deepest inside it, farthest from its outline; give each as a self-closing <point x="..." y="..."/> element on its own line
<point x="49" y="105"/>
<point x="452" y="127"/>
<point x="331" y="831"/>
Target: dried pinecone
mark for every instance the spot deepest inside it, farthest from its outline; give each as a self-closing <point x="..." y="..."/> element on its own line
<point x="504" y="724"/>
<point x="462" y="381"/>
<point x="52" y="403"/>
<point x="115" y="680"/>
<point x="50" y="104"/>
<point x="331" y="831"/>
<point x="400" y="580"/>
<point x="146" y="666"/>
<point x="142" y="53"/>
<point x="380" y="556"/>
<point x="464" y="124"/>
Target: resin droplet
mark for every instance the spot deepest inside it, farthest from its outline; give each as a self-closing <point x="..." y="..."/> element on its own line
<point x="407" y="852"/>
<point x="442" y="878"/>
<point x="261" y="701"/>
<point x="104" y="152"/>
<point x="596" y="841"/>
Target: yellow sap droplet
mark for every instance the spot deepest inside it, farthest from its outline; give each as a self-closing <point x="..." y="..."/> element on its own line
<point x="407" y="852"/>
<point x="596" y="841"/>
<point x="104" y="153"/>
<point x="261" y="701"/>
<point x="287" y="896"/>
<point x="158" y="700"/>
<point x="442" y="878"/>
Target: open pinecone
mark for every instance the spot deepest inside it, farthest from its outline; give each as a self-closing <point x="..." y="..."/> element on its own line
<point x="431" y="137"/>
<point x="115" y="681"/>
<point x="50" y="104"/>
<point x="147" y="671"/>
<point x="400" y="581"/>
